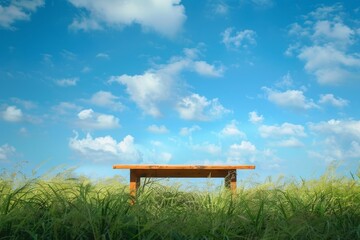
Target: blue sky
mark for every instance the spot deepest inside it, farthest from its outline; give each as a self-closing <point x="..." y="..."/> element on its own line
<point x="89" y="84"/>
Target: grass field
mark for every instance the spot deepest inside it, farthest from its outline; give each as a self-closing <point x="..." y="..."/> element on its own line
<point x="64" y="207"/>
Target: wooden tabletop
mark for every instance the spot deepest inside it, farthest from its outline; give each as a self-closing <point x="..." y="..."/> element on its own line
<point x="212" y="167"/>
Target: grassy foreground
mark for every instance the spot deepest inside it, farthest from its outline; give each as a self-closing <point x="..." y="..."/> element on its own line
<point x="74" y="208"/>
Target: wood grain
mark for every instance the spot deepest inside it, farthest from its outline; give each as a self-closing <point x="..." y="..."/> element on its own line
<point x="182" y="167"/>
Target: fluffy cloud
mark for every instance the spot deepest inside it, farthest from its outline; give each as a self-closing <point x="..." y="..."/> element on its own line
<point x="25" y="103"/>
<point x="107" y="100"/>
<point x="88" y="119"/>
<point x="148" y="90"/>
<point x="334" y="32"/>
<point x="336" y="140"/>
<point x="161" y="86"/>
<point x="203" y="68"/>
<point x="12" y="114"/>
<point x="328" y="64"/>
<point x="85" y="114"/>
<point x="103" y="56"/>
<point x="241" y="39"/>
<point x="286" y="129"/>
<point x="185" y="131"/>
<point x="245" y="151"/>
<point x="157" y="129"/>
<point x="231" y="129"/>
<point x="245" y="146"/>
<point x="164" y="157"/>
<point x="165" y="17"/>
<point x="19" y="10"/>
<point x="85" y="24"/>
<point x="65" y="108"/>
<point x="340" y="128"/>
<point x="220" y="8"/>
<point x="289" y="142"/>
<point x="332" y="100"/>
<point x="285" y="82"/>
<point x="326" y="12"/>
<point x="67" y="82"/>
<point x="6" y="151"/>
<point x="323" y="42"/>
<point x="106" y="148"/>
<point x="196" y="107"/>
<point x="154" y="156"/>
<point x="255" y="118"/>
<point x="210" y="148"/>
<point x="294" y="99"/>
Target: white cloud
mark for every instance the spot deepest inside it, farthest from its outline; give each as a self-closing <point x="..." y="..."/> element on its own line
<point x="332" y="100"/>
<point x="245" y="151"/>
<point x="25" y="103"/>
<point x="231" y="129"/>
<point x="12" y="114"/>
<point x="156" y="143"/>
<point x="107" y="100"/>
<point x="86" y="69"/>
<point x="19" y="10"/>
<point x="6" y="151"/>
<point x="220" y="8"/>
<point x="292" y="49"/>
<point x="354" y="151"/>
<point x="29" y="5"/>
<point x="332" y="32"/>
<point x="68" y="55"/>
<point x="86" y="114"/>
<point x="338" y="128"/>
<point x="285" y="82"/>
<point x="103" y="56"/>
<point x="185" y="131"/>
<point x="326" y="12"/>
<point x="241" y="39"/>
<point x="289" y="142"/>
<point x="203" y="68"/>
<point x="324" y="42"/>
<point x="88" y="119"/>
<point x="156" y="157"/>
<point x="331" y="149"/>
<point x="210" y="148"/>
<point x="85" y="24"/>
<point x="106" y="148"/>
<point x="286" y="129"/>
<point x="255" y="118"/>
<point x="157" y="129"/>
<point x="328" y="64"/>
<point x="294" y="99"/>
<point x="245" y="146"/>
<point x="165" y="17"/>
<point x="160" y="87"/>
<point x="148" y="90"/>
<point x="196" y="107"/>
<point x="67" y="82"/>
<point x="164" y="157"/>
<point x="65" y="107"/>
<point x="15" y="114"/>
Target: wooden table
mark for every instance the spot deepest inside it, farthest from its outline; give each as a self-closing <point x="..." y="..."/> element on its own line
<point x="182" y="171"/>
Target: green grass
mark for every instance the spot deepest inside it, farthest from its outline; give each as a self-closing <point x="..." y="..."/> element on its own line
<point x="63" y="207"/>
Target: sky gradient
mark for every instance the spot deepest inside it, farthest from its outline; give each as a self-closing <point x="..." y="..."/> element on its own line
<point x="89" y="84"/>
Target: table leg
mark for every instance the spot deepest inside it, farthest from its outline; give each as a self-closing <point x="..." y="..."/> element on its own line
<point x="134" y="182"/>
<point x="230" y="180"/>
